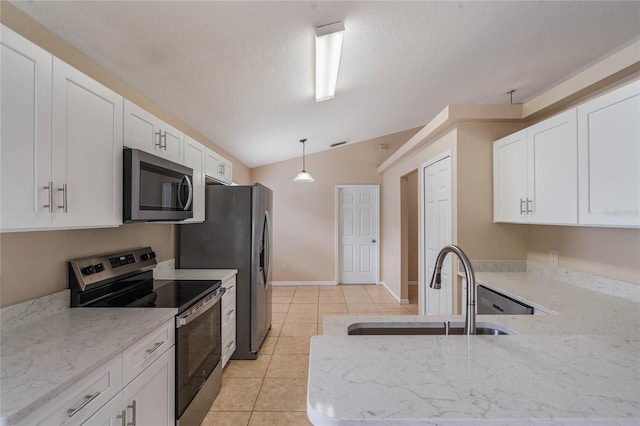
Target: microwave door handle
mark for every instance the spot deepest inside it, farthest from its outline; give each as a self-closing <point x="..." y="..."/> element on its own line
<point x="190" y="197"/>
<point x="180" y="192"/>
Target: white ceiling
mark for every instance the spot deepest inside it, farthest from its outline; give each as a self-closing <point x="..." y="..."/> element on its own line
<point x="242" y="73"/>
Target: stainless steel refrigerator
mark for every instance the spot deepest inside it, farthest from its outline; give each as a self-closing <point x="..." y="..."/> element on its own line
<point x="236" y="234"/>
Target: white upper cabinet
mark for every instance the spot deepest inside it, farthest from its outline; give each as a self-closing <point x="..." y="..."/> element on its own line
<point x="143" y="130"/>
<point x="552" y="195"/>
<point x="218" y="168"/>
<point x="580" y="167"/>
<point x="25" y="140"/>
<point x="609" y="154"/>
<point x="87" y="150"/>
<point x="510" y="178"/>
<point x="535" y="173"/>
<point x="61" y="143"/>
<point x="194" y="157"/>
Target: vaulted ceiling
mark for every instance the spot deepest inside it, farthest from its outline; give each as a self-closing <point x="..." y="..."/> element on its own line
<point x="242" y="73"/>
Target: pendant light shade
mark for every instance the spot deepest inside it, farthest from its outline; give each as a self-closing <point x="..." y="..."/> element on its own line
<point x="303" y="176"/>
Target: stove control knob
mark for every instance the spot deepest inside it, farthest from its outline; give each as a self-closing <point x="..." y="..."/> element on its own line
<point x="88" y="270"/>
<point x="152" y="255"/>
<point x="98" y="267"/>
<point x="144" y="256"/>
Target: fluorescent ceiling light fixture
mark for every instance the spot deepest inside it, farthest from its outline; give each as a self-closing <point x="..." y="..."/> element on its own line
<point x="328" y="50"/>
<point x="303" y="176"/>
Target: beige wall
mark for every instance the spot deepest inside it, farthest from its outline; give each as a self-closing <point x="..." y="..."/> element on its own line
<point x="391" y="225"/>
<point x="34" y="263"/>
<point x="304" y="223"/>
<point x="477" y="234"/>
<point x="27" y="27"/>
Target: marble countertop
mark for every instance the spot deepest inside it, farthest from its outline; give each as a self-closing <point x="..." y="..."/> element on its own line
<point x="41" y="358"/>
<point x="578" y="365"/>
<point x="194" y="274"/>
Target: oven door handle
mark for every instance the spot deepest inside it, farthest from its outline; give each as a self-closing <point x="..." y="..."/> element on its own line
<point x="200" y="308"/>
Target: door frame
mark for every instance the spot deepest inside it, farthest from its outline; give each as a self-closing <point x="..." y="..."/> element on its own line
<point x="336" y="250"/>
<point x="422" y="270"/>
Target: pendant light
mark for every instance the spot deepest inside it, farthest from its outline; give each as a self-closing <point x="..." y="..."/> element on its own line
<point x="303" y="176"/>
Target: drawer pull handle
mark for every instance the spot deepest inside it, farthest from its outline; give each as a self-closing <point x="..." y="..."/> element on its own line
<point x="133" y="413"/>
<point x="123" y="416"/>
<point x="87" y="399"/>
<point x="230" y="312"/>
<point x="155" y="347"/>
<point x="498" y="308"/>
<point x="229" y="344"/>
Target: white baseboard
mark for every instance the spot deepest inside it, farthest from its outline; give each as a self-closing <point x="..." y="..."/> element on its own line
<point x="393" y="294"/>
<point x="413" y="282"/>
<point x="303" y="283"/>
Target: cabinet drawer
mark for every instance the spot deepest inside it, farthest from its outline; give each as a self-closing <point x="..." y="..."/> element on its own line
<point x="142" y="354"/>
<point x="228" y="317"/>
<point x="228" y="342"/>
<point x="79" y="402"/>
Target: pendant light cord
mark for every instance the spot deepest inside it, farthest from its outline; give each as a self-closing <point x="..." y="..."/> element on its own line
<point x="304" y="165"/>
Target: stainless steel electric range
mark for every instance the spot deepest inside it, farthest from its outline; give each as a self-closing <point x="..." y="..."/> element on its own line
<point x="125" y="279"/>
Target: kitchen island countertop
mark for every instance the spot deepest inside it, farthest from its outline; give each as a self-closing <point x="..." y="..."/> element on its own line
<point x="578" y="365"/>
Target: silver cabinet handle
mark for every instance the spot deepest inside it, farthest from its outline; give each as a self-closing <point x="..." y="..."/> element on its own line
<point x="155" y="347"/>
<point x="87" y="399"/>
<point x="50" y="198"/>
<point x="64" y="198"/>
<point x="528" y="206"/>
<point x="133" y="413"/>
<point x="229" y="344"/>
<point x="159" y="143"/>
<point x="123" y="416"/>
<point x="373" y="241"/>
<point x="522" y="206"/>
<point x="164" y="136"/>
<point x="230" y="312"/>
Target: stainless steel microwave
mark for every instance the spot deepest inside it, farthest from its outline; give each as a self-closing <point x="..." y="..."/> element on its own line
<point x="155" y="189"/>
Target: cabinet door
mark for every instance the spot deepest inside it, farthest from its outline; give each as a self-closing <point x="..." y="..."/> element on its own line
<point x="25" y="141"/>
<point x="141" y="129"/>
<point x="227" y="171"/>
<point x="150" y="398"/>
<point x="172" y="144"/>
<point x="510" y="178"/>
<point x="111" y="414"/>
<point x="212" y="165"/>
<point x="194" y="157"/>
<point x="87" y="150"/>
<point x="609" y="158"/>
<point x="553" y="170"/>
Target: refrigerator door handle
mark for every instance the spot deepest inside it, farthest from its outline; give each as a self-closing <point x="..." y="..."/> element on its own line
<point x="265" y="255"/>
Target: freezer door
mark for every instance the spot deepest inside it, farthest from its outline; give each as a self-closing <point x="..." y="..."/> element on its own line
<point x="262" y="261"/>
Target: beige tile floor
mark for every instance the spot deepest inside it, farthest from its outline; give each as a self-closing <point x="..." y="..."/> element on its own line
<point x="272" y="390"/>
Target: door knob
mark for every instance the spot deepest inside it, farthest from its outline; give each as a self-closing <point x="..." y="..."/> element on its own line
<point x="373" y="241"/>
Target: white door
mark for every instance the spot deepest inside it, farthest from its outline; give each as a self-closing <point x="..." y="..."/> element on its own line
<point x="87" y="150"/>
<point x="149" y="398"/>
<point x="358" y="223"/>
<point x="437" y="233"/>
<point x="609" y="158"/>
<point x="194" y="157"/>
<point x="25" y="141"/>
<point x="552" y="195"/>
<point x="510" y="178"/>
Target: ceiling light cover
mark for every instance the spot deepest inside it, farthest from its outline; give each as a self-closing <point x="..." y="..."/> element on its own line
<point x="328" y="50"/>
<point x="303" y="176"/>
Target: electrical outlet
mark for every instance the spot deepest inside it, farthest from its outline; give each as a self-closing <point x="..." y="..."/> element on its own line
<point x="553" y="257"/>
<point x="283" y="268"/>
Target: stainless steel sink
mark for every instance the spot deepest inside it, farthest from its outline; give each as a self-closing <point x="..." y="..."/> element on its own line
<point x="432" y="328"/>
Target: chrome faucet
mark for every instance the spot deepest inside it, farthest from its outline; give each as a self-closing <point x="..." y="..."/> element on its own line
<point x="470" y="320"/>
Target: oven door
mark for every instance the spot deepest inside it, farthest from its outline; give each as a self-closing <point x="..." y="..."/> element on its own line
<point x="198" y="347"/>
<point x="155" y="189"/>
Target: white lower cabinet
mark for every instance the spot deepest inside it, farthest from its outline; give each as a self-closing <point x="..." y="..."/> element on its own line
<point x="149" y="398"/>
<point x="146" y="396"/>
<point x="228" y="320"/>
